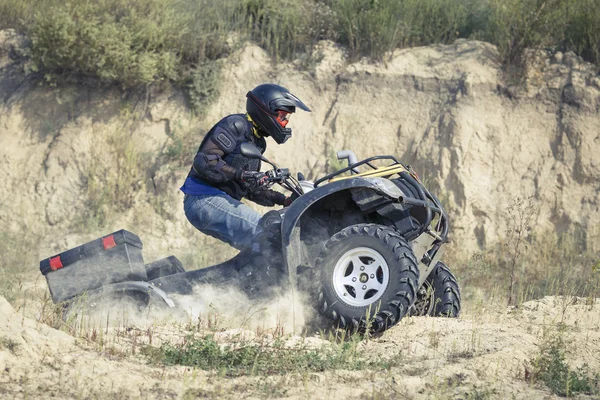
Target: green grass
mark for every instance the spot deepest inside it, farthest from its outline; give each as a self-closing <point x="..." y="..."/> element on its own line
<point x="550" y="367"/>
<point x="257" y="359"/>
<point x="133" y="43"/>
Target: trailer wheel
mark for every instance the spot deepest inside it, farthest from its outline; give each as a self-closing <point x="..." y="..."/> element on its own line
<point x="135" y="297"/>
<point x="369" y="278"/>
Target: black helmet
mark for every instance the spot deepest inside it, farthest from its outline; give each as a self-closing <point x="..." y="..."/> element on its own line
<point x="270" y="106"/>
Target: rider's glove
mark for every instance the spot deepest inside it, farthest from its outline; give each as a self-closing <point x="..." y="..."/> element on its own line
<point x="289" y="200"/>
<point x="253" y="179"/>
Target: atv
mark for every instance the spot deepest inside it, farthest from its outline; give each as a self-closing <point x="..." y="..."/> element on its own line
<point x="363" y="244"/>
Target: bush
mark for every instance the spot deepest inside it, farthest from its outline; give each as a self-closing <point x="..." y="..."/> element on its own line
<point x="203" y="86"/>
<point x="368" y="27"/>
<point x="204" y="28"/>
<point x="550" y="367"/>
<point x="552" y="265"/>
<point x="18" y="14"/>
<point x="436" y="21"/>
<point x="286" y="27"/>
<point x="516" y="25"/>
<point x="582" y="29"/>
<point x="116" y="42"/>
<point x="139" y="42"/>
<point x="371" y="28"/>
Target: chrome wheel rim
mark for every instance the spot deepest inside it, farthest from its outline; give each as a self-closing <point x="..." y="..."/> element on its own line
<point x="361" y="276"/>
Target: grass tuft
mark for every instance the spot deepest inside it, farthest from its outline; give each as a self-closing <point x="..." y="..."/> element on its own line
<point x="551" y="368"/>
<point x="9" y="344"/>
<point x="262" y="359"/>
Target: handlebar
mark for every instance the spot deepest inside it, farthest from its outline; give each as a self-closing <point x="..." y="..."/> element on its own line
<point x="278" y="175"/>
<point x="282" y="177"/>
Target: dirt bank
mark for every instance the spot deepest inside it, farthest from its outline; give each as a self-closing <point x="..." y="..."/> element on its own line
<point x="476" y="140"/>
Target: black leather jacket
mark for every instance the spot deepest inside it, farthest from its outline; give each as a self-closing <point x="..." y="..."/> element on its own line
<point x="220" y="163"/>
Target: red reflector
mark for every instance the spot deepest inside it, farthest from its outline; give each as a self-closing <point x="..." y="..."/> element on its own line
<point x="109" y="242"/>
<point x="55" y="263"/>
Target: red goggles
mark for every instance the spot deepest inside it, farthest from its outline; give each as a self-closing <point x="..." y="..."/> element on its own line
<point x="283" y="118"/>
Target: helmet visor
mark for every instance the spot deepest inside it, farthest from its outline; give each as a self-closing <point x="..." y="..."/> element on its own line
<point x="283" y="118"/>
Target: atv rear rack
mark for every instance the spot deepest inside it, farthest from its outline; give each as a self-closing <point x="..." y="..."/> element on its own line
<point x="427" y="200"/>
<point x="367" y="161"/>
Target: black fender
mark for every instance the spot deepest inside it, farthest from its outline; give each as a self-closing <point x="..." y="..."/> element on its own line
<point x="220" y="274"/>
<point x="137" y="289"/>
<point x="290" y="230"/>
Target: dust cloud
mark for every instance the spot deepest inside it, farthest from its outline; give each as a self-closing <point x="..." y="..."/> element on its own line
<point x="230" y="308"/>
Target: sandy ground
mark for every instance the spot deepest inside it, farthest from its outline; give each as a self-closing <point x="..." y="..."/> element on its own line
<point x="482" y="354"/>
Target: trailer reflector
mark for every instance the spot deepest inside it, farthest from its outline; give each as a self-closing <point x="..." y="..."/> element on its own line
<point x="109" y="242"/>
<point x="56" y="263"/>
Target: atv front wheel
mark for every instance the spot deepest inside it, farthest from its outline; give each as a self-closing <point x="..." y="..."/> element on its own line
<point x="439" y="296"/>
<point x="370" y="278"/>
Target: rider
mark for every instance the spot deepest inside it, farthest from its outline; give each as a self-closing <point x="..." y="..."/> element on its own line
<point x="221" y="176"/>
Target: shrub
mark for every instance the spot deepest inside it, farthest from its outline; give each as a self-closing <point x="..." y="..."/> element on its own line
<point x="550" y="367"/>
<point x="516" y="25"/>
<point x="138" y="42"/>
<point x="582" y="29"/>
<point x="18" y="14"/>
<point x="287" y="27"/>
<point x="203" y="86"/>
<point x="204" y="28"/>
<point x="369" y="27"/>
<point x="554" y="265"/>
<point x="435" y="21"/>
<point x="111" y="40"/>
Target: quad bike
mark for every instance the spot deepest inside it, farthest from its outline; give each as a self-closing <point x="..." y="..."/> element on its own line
<point x="363" y="244"/>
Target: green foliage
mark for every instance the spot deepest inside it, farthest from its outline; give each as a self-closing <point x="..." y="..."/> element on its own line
<point x="287" y="27"/>
<point x="18" y="14"/>
<point x="551" y="368"/>
<point x="254" y="359"/>
<point x="203" y="86"/>
<point x="113" y="40"/>
<point x="436" y="21"/>
<point x="334" y="164"/>
<point x="140" y="42"/>
<point x="582" y="29"/>
<point x="369" y="27"/>
<point x="517" y="25"/>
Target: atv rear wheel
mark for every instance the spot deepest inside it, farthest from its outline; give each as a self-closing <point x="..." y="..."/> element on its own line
<point x="439" y="296"/>
<point x="369" y="276"/>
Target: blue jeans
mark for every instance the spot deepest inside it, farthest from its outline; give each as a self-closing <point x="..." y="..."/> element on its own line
<point x="222" y="217"/>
